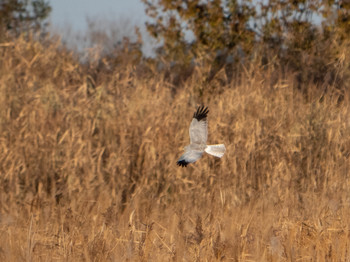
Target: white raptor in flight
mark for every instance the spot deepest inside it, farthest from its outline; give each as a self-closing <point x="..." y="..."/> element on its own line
<point x="198" y="136"/>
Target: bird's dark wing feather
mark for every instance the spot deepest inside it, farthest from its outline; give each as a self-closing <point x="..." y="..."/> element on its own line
<point x="201" y="113"/>
<point x="182" y="163"/>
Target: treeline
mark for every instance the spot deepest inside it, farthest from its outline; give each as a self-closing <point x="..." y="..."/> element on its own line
<point x="306" y="39"/>
<point x="309" y="39"/>
<point x="18" y="16"/>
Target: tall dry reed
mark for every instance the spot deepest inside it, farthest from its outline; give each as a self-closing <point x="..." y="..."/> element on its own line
<point x="88" y="165"/>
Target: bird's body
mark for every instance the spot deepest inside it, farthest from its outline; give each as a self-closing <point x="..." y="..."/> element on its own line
<point x="198" y="137"/>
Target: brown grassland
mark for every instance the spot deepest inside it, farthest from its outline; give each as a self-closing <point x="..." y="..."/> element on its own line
<point x="88" y="165"/>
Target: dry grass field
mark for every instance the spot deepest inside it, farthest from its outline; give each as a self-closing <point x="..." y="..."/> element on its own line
<point x="88" y="165"/>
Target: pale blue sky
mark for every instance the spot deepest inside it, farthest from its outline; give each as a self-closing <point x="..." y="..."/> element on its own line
<point x="114" y="17"/>
<point x="75" y="12"/>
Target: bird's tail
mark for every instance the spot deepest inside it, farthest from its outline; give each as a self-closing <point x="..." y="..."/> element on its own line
<point x="216" y="150"/>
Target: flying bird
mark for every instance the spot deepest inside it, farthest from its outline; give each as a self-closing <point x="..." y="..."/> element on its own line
<point x="198" y="137"/>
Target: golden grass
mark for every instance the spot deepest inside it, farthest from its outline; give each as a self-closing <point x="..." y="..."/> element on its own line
<point x="88" y="166"/>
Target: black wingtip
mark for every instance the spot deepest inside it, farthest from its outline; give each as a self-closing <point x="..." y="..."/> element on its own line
<point x="182" y="163"/>
<point x="201" y="113"/>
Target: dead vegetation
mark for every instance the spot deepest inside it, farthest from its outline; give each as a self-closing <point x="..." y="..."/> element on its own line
<point x="88" y="165"/>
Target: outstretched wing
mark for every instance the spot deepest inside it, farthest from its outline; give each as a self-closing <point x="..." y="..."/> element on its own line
<point x="189" y="156"/>
<point x="199" y="126"/>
